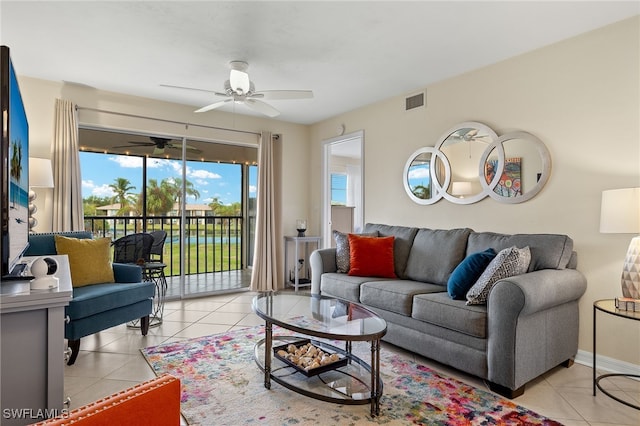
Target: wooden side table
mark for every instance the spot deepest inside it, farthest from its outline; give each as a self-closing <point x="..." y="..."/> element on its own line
<point x="608" y="306"/>
<point x="297" y="241"/>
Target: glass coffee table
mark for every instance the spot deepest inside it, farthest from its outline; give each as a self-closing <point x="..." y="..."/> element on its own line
<point x="331" y="325"/>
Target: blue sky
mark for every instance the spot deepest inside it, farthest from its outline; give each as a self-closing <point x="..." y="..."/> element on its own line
<point x="211" y="180"/>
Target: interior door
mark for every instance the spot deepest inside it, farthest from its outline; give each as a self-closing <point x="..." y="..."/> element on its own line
<point x="343" y="185"/>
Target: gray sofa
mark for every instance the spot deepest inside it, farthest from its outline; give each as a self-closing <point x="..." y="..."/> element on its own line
<point x="528" y="326"/>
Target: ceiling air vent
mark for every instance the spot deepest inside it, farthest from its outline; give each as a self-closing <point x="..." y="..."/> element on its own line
<point x="414" y="101"/>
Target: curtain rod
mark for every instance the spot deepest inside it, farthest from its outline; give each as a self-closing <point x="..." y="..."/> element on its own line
<point x="165" y="120"/>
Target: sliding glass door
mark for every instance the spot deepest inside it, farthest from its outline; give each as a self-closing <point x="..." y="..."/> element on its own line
<point x="201" y="193"/>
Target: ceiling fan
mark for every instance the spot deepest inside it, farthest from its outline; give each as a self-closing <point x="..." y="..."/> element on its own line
<point x="467" y="134"/>
<point x="160" y="145"/>
<point x="240" y="89"/>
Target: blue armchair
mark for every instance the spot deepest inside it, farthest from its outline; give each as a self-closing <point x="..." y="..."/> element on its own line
<point x="97" y="307"/>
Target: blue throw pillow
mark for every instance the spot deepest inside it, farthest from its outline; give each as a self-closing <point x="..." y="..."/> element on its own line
<point x="467" y="273"/>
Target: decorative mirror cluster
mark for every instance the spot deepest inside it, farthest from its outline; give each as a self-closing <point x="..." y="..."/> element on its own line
<point x="470" y="162"/>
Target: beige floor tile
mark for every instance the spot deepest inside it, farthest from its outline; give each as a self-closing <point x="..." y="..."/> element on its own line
<point x="74" y="385"/>
<point x="600" y="408"/>
<point x="205" y="305"/>
<point x="185" y="316"/>
<point x="131" y="344"/>
<point x="544" y="399"/>
<point x="244" y="308"/>
<point x="250" y="320"/>
<point x="101" y="389"/>
<point x="137" y="369"/>
<point x="199" y="330"/>
<point x="96" y="364"/>
<point x="230" y="318"/>
<point x="168" y="328"/>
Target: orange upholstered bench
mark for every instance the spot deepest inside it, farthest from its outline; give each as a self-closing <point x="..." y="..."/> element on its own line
<point x="154" y="402"/>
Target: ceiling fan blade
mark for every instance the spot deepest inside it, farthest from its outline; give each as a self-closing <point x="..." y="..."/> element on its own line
<point x="134" y="144"/>
<point x="194" y="88"/>
<point x="213" y="106"/>
<point x="239" y="81"/>
<point x="262" y="107"/>
<point x="285" y="94"/>
<point x="189" y="148"/>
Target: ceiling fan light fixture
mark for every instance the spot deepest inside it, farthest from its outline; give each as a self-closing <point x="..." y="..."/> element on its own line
<point x="240" y="82"/>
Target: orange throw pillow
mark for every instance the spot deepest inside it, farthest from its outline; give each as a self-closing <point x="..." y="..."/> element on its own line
<point x="371" y="256"/>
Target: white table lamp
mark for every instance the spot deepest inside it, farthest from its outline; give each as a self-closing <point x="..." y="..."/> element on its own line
<point x="620" y="214"/>
<point x="461" y="188"/>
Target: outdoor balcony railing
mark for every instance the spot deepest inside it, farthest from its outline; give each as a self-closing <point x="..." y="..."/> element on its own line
<point x="211" y="243"/>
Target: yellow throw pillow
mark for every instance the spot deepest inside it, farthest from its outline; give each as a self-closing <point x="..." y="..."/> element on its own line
<point x="89" y="260"/>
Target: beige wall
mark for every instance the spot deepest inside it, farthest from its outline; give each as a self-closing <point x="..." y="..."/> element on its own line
<point x="581" y="98"/>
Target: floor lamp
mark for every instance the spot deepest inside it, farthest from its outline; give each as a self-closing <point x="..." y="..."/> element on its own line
<point x="620" y="214"/>
<point x="40" y="176"/>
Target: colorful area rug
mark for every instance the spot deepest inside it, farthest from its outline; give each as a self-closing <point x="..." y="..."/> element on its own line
<point x="222" y="385"/>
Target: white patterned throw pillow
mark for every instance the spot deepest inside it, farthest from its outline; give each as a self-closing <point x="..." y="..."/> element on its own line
<point x="508" y="263"/>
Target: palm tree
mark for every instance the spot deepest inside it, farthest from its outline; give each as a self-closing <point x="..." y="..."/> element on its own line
<point x="159" y="197"/>
<point x="190" y="189"/>
<point x="122" y="188"/>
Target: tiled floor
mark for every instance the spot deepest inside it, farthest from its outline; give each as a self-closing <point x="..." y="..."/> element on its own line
<point x="111" y="361"/>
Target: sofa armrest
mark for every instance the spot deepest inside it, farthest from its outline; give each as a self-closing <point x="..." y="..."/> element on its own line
<point x="532" y="324"/>
<point x="536" y="291"/>
<point x="127" y="273"/>
<point x="321" y="261"/>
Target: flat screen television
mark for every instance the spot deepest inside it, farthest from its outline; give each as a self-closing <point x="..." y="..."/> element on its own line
<point x="14" y="154"/>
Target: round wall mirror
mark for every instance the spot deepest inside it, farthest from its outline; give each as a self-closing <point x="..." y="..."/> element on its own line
<point x="463" y="146"/>
<point x="421" y="182"/>
<point x="525" y="169"/>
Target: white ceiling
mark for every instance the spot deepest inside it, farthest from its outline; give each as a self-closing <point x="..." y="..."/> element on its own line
<point x="349" y="53"/>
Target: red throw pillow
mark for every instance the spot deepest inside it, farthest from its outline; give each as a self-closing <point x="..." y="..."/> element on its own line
<point x="371" y="256"/>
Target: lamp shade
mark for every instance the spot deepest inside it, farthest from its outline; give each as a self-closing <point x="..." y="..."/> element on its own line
<point x="461" y="188"/>
<point x="620" y="211"/>
<point x="40" y="173"/>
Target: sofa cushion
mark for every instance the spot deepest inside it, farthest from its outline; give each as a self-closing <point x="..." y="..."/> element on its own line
<point x="548" y="251"/>
<point x="401" y="246"/>
<point x="42" y="244"/>
<point x="343" y="286"/>
<point x="508" y="263"/>
<point x="439" y="309"/>
<point x="343" y="250"/>
<point x="371" y="256"/>
<point x="435" y="254"/>
<point x="394" y="295"/>
<point x="467" y="273"/>
<point x="89" y="260"/>
<point x="92" y="299"/>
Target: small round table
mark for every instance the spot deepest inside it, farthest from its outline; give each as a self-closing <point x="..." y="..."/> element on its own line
<point x="154" y="272"/>
<point x="608" y="306"/>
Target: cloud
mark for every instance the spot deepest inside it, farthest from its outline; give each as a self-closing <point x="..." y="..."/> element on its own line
<point x="103" y="190"/>
<point x="419" y="173"/>
<point x="253" y="189"/>
<point x="127" y="162"/>
<point x="202" y="174"/>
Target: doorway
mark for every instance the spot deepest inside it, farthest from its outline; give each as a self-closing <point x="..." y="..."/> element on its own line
<point x="343" y="185"/>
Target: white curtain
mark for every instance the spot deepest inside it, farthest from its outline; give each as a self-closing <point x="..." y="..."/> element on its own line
<point x="267" y="272"/>
<point x="67" y="190"/>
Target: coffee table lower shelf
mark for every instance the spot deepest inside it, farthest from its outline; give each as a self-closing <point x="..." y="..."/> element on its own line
<point x="348" y="384"/>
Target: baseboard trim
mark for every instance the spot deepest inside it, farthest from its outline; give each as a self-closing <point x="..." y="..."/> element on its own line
<point x="606" y="363"/>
